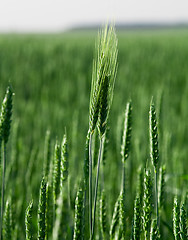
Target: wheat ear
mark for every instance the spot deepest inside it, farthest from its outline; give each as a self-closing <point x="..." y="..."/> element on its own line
<point x="5" y="123"/>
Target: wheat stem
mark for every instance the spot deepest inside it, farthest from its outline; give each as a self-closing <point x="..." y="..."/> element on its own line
<point x="90" y="184"/>
<point x="156" y="197"/>
<point x="3" y="188"/>
<point x="96" y="185"/>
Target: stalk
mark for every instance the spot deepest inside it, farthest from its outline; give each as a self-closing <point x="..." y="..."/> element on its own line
<point x="5" y="124"/>
<point x="154" y="150"/>
<point x="156" y="197"/>
<point x="28" y="221"/>
<point x="78" y="220"/>
<point x="115" y="219"/>
<point x="90" y="184"/>
<point x="96" y="185"/>
<point x="85" y="183"/>
<point x="7" y="223"/>
<point x="176" y="219"/>
<point x="3" y="188"/>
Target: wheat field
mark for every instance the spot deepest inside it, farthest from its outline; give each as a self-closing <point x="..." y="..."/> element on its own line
<point x="93" y="135"/>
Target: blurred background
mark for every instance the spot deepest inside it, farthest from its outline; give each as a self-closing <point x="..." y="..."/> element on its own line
<point x="58" y="15"/>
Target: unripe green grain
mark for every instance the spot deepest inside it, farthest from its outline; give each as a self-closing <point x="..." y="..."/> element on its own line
<point x="64" y="160"/>
<point x="5" y="117"/>
<point x="140" y="184"/>
<point x="125" y="147"/>
<point x="7" y="223"/>
<point x="47" y="154"/>
<point x="103" y="77"/>
<point x="161" y="192"/>
<point x="147" y="203"/>
<point x="115" y="219"/>
<point x="122" y="220"/>
<point x="78" y="219"/>
<point x="42" y="211"/>
<point x="49" y="211"/>
<point x="183" y="223"/>
<point x="137" y="219"/>
<point x="28" y="221"/>
<point x="5" y="122"/>
<point x="86" y="161"/>
<point x="154" y="234"/>
<point x="57" y="171"/>
<point x="105" y="148"/>
<point x="107" y="67"/>
<point x="103" y="216"/>
<point x="176" y="219"/>
<point x="154" y="149"/>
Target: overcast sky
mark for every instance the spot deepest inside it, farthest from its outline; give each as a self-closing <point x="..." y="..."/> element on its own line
<point x="57" y="15"/>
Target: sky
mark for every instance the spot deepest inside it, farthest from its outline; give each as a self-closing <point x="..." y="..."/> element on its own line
<point x="59" y="15"/>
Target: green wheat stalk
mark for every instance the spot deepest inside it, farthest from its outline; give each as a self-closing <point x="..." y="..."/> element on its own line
<point x="47" y="154"/>
<point x="28" y="221"/>
<point x="85" y="182"/>
<point x="140" y="185"/>
<point x="122" y="220"/>
<point x="126" y="139"/>
<point x="64" y="161"/>
<point x="147" y="203"/>
<point x="115" y="219"/>
<point x="61" y="210"/>
<point x="183" y="223"/>
<point x="103" y="79"/>
<point x="96" y="186"/>
<point x="78" y="219"/>
<point x="125" y="148"/>
<point x="5" y="123"/>
<point x="42" y="211"/>
<point x="103" y="216"/>
<point x="176" y="219"/>
<point x="154" y="233"/>
<point x="161" y="191"/>
<point x="7" y="223"/>
<point x="57" y="172"/>
<point x="49" y="210"/>
<point x="137" y="219"/>
<point x="154" y="150"/>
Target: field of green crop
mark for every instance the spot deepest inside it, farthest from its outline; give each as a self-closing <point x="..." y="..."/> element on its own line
<point x="50" y="77"/>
